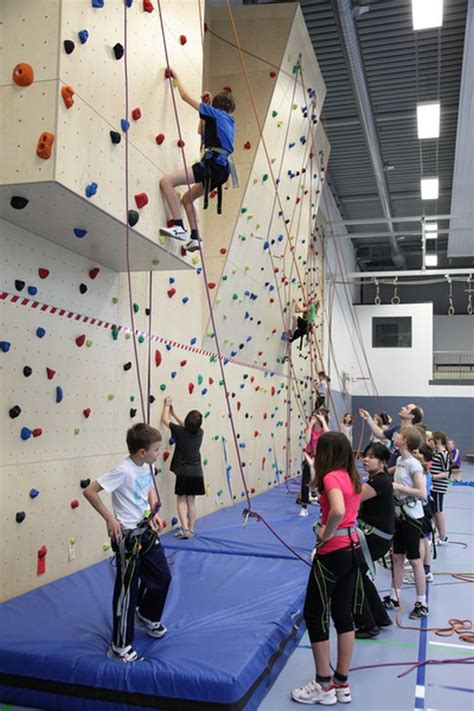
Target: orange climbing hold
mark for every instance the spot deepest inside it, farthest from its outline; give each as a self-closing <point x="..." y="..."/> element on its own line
<point x="45" y="145"/>
<point x="23" y="74"/>
<point x="67" y="92"/>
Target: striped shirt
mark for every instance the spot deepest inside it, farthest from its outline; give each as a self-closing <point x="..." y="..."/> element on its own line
<point x="439" y="464"/>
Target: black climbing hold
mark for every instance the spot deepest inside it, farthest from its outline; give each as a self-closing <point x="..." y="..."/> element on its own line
<point x="118" y="51"/>
<point x="69" y="46"/>
<point x="152" y="399"/>
<point x="85" y="483"/>
<point x="133" y="412"/>
<point x="18" y="202"/>
<point x="127" y="366"/>
<point x="19" y="285"/>
<point x="20" y="516"/>
<point x="27" y="371"/>
<point x="147" y="312"/>
<point x="83" y="288"/>
<point x="115" y="137"/>
<point x="133" y="217"/>
<point x="14" y="411"/>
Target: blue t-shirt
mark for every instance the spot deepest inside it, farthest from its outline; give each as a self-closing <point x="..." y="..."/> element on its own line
<point x="219" y="128"/>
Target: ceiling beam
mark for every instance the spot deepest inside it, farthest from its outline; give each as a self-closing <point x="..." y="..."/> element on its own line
<point x="382" y="220"/>
<point x="409" y="273"/>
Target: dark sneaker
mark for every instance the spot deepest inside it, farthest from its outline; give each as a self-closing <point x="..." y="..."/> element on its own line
<point x="367" y="633"/>
<point x="418" y="611"/>
<point x="153" y="629"/>
<point x="123" y="654"/>
<point x="389" y="603"/>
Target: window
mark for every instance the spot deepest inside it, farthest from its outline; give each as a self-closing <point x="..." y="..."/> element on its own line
<point x="391" y="332"/>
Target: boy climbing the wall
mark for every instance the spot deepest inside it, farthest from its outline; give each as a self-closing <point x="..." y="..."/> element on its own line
<point x="217" y="128"/>
<point x="133" y="528"/>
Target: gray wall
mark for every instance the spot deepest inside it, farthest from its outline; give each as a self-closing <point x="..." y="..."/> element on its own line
<point x="453" y="333"/>
<point x="452" y="415"/>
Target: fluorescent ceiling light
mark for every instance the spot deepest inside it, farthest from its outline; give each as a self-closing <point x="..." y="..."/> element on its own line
<point x="431" y="235"/>
<point x="428" y="118"/>
<point x="431" y="227"/>
<point x="427" y="13"/>
<point x="429" y="188"/>
<point x="431" y="260"/>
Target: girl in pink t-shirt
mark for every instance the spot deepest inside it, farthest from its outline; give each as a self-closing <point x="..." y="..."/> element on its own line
<point x="316" y="427"/>
<point x="332" y="581"/>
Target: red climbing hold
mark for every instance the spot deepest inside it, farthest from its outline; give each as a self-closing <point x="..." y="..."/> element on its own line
<point x="23" y="74"/>
<point x="157" y="358"/>
<point x="171" y="292"/>
<point x="183" y="39"/>
<point x="80" y="340"/>
<point x="227" y="89"/>
<point x="273" y="75"/>
<point x="50" y="373"/>
<point x="276" y="270"/>
<point x="265" y="415"/>
<point x="191" y="388"/>
<point x="141" y="199"/>
<point x="223" y="250"/>
<point x="43" y="273"/>
<point x="213" y="193"/>
<point x="206" y="28"/>
<point x="45" y="145"/>
<point x="41" y="563"/>
<point x="183" y="252"/>
<point x="74" y="504"/>
<point x="183" y="363"/>
<point x="239" y="405"/>
<point x="67" y="92"/>
<point x="168" y="73"/>
<point x="136" y="114"/>
<point x="180" y="143"/>
<point x="37" y="432"/>
<point x="148" y="6"/>
<point x="256" y="433"/>
<point x="274" y="331"/>
<point x="93" y="272"/>
<point x="247" y="146"/>
<point x="86" y="412"/>
<point x="273" y="390"/>
<point x="211" y="380"/>
<point x="160" y="138"/>
<point x="165" y="456"/>
<point x="212" y="285"/>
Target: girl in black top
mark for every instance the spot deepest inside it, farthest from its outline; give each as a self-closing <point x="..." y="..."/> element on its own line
<point x="377" y="519"/>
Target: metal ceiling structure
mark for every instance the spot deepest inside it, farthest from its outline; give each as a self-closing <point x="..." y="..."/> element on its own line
<point x="400" y="67"/>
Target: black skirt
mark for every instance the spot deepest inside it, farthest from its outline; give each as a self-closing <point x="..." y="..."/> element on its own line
<point x="189" y="486"/>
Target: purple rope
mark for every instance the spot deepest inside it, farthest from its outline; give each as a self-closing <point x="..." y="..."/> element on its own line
<point x="414" y="665"/>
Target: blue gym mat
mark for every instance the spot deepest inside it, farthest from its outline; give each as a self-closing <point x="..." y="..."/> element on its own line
<point x="233" y="613"/>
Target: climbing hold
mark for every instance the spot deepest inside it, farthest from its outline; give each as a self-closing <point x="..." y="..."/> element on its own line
<point x="212" y="285"/>
<point x="93" y="272"/>
<point x="20" y="516"/>
<point x="41" y="564"/>
<point x="98" y="3"/>
<point x="183" y="39"/>
<point x="34" y="493"/>
<point x="83" y="288"/>
<point x="166" y="456"/>
<point x="69" y="46"/>
<point x="83" y="36"/>
<point x="168" y="73"/>
<point x="59" y="394"/>
<point x="25" y="433"/>
<point x="18" y="202"/>
<point x="183" y="363"/>
<point x="115" y="136"/>
<point x="136" y="114"/>
<point x="40" y="332"/>
<point x="115" y="332"/>
<point x="37" y="432"/>
<point x="158" y="358"/>
<point x="133" y="217"/>
<point x="171" y="292"/>
<point x="247" y="146"/>
<point x="80" y="233"/>
<point x="136" y="308"/>
<point x="27" y="371"/>
<point x="45" y="145"/>
<point x="141" y="200"/>
<point x="148" y="6"/>
<point x="180" y="143"/>
<point x="191" y="388"/>
<point x="32" y="290"/>
<point x="223" y="250"/>
<point x="127" y="365"/>
<point x="273" y="74"/>
<point x="14" y="411"/>
<point x="91" y="189"/>
<point x="23" y="74"/>
<point x="133" y="412"/>
<point x="118" y="50"/>
<point x="124" y="125"/>
<point x="85" y="483"/>
<point x="86" y="412"/>
<point x="185" y="299"/>
<point x="74" y="504"/>
<point x="110" y="397"/>
<point x="50" y="373"/>
<point x="200" y="379"/>
<point x="19" y="285"/>
<point x="151" y="399"/>
<point x="80" y="340"/>
<point x="67" y="92"/>
<point x="43" y="273"/>
<point x="160" y="138"/>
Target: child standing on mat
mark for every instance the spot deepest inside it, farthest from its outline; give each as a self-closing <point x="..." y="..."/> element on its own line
<point x="133" y="528"/>
<point x="332" y="580"/>
<point x="316" y="427"/>
<point x="440" y="472"/>
<point x="186" y="464"/>
<point x="213" y="169"/>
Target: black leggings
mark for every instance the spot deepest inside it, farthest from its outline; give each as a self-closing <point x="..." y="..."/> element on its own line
<point x="373" y="613"/>
<point x="300" y="332"/>
<point x="331" y="589"/>
<point x="305" y="480"/>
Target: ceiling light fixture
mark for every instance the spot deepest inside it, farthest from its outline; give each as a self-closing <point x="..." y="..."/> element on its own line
<point x="431" y="260"/>
<point x="426" y="14"/>
<point x="430" y="188"/>
<point x="428" y="119"/>
<point x="431" y="226"/>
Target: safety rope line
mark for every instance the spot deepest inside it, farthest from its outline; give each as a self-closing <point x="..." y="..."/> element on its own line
<point x="204" y="270"/>
<point x="150" y="315"/>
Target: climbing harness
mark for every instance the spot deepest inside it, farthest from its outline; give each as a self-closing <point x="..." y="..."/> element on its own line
<point x="217" y="156"/>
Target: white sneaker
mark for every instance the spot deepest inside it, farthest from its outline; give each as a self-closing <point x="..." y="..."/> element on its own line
<point x="123" y="654"/>
<point x="429" y="577"/>
<point x="409" y="578"/>
<point x="175" y="231"/>
<point x="303" y="513"/>
<point x="314" y="693"/>
<point x="153" y="629"/>
<point x="193" y="245"/>
<point x="442" y="541"/>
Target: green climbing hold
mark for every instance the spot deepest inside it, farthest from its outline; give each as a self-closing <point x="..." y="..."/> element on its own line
<point x="205" y="461"/>
<point x="136" y="308"/>
<point x="235" y="296"/>
<point x="225" y="277"/>
<point x="265" y="177"/>
<point x="110" y="397"/>
<point x="155" y="262"/>
<point x="114" y="300"/>
<point x="162" y="387"/>
<point x="132" y="398"/>
<point x="213" y="359"/>
<point x="141" y="339"/>
<point x="88" y="344"/>
<point x="215" y="437"/>
<point x="274" y="113"/>
<point x="221" y="382"/>
<point x="200" y="379"/>
<point x="243" y="210"/>
<point x="162" y="239"/>
<point x="115" y="332"/>
<point x="207" y="413"/>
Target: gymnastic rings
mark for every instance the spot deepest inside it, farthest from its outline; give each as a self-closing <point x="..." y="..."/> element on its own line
<point x="395" y="300"/>
<point x="377" y="300"/>
<point x="451" y="311"/>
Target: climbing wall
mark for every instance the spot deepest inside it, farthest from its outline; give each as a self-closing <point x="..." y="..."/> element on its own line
<point x="71" y="381"/>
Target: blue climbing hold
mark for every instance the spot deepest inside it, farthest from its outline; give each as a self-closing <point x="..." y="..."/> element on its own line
<point x="32" y="290"/>
<point x="40" y="332"/>
<point x="79" y="233"/>
<point x="193" y="340"/>
<point x="91" y="189"/>
<point x="174" y="374"/>
<point x="171" y="280"/>
<point x="98" y="3"/>
<point x="174" y="521"/>
<point x="292" y="145"/>
<point x="266" y="245"/>
<point x="5" y="346"/>
<point x="34" y="493"/>
<point x="83" y="36"/>
<point x="204" y="391"/>
<point x="185" y="299"/>
<point x="198" y="270"/>
<point x="233" y="354"/>
<point x="59" y="394"/>
<point x="125" y="125"/>
<point x="25" y="433"/>
<point x="168" y="346"/>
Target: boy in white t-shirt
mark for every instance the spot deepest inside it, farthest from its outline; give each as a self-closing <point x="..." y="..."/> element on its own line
<point x="133" y="527"/>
